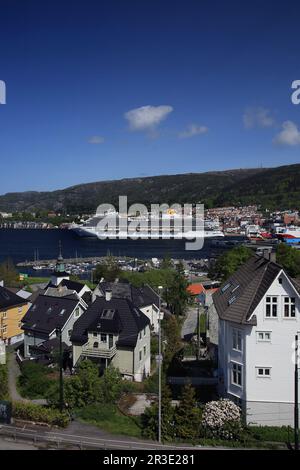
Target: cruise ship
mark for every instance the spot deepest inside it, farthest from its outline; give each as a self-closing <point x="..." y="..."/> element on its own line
<point x="169" y="225"/>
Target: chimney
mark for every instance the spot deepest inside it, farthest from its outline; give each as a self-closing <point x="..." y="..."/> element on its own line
<point x="108" y="295"/>
<point x="272" y="256"/>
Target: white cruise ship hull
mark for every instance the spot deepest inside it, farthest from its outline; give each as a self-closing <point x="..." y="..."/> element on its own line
<point x="189" y="235"/>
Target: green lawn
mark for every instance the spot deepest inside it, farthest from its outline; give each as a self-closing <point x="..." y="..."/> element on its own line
<point x="110" y="419"/>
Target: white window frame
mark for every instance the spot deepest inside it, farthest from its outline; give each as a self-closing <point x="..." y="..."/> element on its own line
<point x="272" y="303"/>
<point x="237" y="340"/>
<point x="264" y="340"/>
<point x="289" y="304"/>
<point x="239" y="373"/>
<point x="4" y="314"/>
<point x="264" y="375"/>
<point x="102" y="340"/>
<point x="20" y="309"/>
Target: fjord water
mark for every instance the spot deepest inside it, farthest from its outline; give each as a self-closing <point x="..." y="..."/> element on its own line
<point x="21" y="245"/>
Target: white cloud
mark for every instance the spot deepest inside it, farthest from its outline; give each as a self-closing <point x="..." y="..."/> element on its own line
<point x="147" y="117"/>
<point x="290" y="134"/>
<point x="258" y="117"/>
<point x="191" y="130"/>
<point x="96" y="139"/>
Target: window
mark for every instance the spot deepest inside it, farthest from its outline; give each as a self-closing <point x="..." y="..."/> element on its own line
<point x="289" y="307"/>
<point x="4" y="329"/>
<point x="96" y="344"/>
<point x="103" y="338"/>
<point x="140" y="355"/>
<point x="20" y="309"/>
<point x="70" y="333"/>
<point x="225" y="287"/>
<point x="280" y="280"/>
<point x="145" y="331"/>
<point x="236" y="374"/>
<point x="264" y="336"/>
<point x="237" y="340"/>
<point x="145" y="350"/>
<point x="4" y="314"/>
<point x="271" y="307"/>
<point x="140" y="335"/>
<point x="95" y="335"/>
<point x="263" y="371"/>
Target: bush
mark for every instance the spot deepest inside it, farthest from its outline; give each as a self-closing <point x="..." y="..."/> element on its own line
<point x="222" y="419"/>
<point x="39" y="414"/>
<point x="3" y="382"/>
<point x="34" y="381"/>
<point x="271" y="433"/>
<point x="110" y="419"/>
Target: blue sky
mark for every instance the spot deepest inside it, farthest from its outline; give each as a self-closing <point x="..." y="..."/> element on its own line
<point x="110" y="89"/>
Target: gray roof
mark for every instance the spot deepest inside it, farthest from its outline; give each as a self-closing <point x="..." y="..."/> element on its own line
<point x="48" y="313"/>
<point x="126" y="320"/>
<point x="140" y="297"/>
<point x="239" y="295"/>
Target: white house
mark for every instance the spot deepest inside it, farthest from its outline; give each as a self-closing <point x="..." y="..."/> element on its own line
<point x="258" y="310"/>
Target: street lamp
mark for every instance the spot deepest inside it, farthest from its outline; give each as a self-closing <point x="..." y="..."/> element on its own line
<point x="160" y="288"/>
<point x="61" y="383"/>
<point x="296" y="409"/>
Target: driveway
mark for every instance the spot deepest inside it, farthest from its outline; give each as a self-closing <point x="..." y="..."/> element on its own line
<point x="189" y="324"/>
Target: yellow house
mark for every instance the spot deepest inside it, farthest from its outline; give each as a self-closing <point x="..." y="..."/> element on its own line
<point x="12" y="310"/>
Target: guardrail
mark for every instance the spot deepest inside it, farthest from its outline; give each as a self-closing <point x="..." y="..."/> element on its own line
<point x="60" y="439"/>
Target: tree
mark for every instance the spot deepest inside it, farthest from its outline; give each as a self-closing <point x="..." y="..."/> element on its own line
<point x="172" y="339"/>
<point x="230" y="261"/>
<point x="111" y="383"/>
<point x="150" y="418"/>
<point x="8" y="273"/>
<point x="289" y="258"/>
<point x="187" y="415"/>
<point x="177" y="296"/>
<point x="109" y="270"/>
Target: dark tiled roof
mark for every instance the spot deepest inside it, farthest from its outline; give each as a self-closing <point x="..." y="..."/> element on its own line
<point x="71" y="285"/>
<point x="239" y="295"/>
<point x="10" y="299"/>
<point x="48" y="312"/>
<point x="127" y="320"/>
<point x="139" y="296"/>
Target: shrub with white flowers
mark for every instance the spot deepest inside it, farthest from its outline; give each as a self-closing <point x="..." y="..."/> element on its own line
<point x="222" y="419"/>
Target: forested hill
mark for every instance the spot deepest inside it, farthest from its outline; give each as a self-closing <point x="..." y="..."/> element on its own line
<point x="274" y="188"/>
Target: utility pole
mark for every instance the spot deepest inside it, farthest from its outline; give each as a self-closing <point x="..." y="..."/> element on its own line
<point x="61" y="383"/>
<point x="159" y="365"/>
<point x="296" y="412"/>
<point x="198" y="332"/>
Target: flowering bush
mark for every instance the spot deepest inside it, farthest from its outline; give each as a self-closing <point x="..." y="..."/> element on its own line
<point x="222" y="419"/>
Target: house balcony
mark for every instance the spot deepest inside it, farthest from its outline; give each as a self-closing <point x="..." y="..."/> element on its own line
<point x="106" y="353"/>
